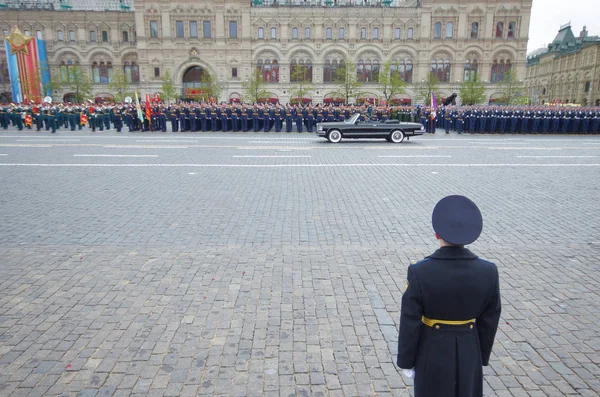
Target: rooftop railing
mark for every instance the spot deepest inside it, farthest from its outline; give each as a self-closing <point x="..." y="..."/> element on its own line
<point x="68" y="5"/>
<point x="334" y="3"/>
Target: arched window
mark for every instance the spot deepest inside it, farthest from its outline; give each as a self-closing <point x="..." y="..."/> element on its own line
<point x="441" y="68"/>
<point x="500" y="69"/>
<point x="397" y="33"/>
<point x="269" y="70"/>
<point x="261" y="33"/>
<point x="375" y="33"/>
<point x="470" y="70"/>
<point x="511" y="30"/>
<point x="64" y="74"/>
<point x="294" y="33"/>
<point x="437" y="30"/>
<point x="331" y="70"/>
<point x="449" y="30"/>
<point x="402" y="69"/>
<point x="273" y="33"/>
<point x="329" y="33"/>
<point x="127" y="71"/>
<point x="105" y="72"/>
<point x="367" y="70"/>
<point x="95" y="73"/>
<point x="301" y="70"/>
<point x="125" y="36"/>
<point x="409" y="33"/>
<point x="307" y="33"/>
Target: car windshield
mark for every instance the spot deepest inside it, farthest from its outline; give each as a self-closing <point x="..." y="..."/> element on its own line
<point x="352" y="119"/>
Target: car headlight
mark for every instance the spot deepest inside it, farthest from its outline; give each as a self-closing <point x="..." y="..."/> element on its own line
<point x="319" y="127"/>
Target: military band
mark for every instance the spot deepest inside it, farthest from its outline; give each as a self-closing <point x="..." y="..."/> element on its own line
<point x="203" y="117"/>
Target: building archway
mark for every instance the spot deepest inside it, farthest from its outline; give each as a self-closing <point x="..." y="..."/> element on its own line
<point x="194" y="84"/>
<point x="69" y="97"/>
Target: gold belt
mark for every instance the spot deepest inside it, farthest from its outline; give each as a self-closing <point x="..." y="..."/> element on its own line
<point x="430" y="322"/>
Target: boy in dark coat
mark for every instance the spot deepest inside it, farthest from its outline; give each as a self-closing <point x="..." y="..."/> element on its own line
<point x="451" y="308"/>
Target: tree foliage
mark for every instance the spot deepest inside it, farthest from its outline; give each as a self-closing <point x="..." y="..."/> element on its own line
<point x="120" y="87"/>
<point x="78" y="82"/>
<point x="254" y="87"/>
<point x="169" y="91"/>
<point x="391" y="84"/>
<point x="472" y="91"/>
<point x="303" y="87"/>
<point x="426" y="87"/>
<point x="512" y="90"/>
<point x="349" y="86"/>
<point x="210" y="86"/>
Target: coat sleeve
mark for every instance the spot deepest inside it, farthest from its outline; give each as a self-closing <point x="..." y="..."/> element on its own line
<point x="487" y="323"/>
<point x="410" y="322"/>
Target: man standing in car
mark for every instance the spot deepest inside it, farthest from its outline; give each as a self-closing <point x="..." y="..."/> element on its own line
<point x="451" y="308"/>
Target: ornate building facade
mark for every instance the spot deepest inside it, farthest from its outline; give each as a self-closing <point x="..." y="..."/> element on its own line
<point x="567" y="71"/>
<point x="229" y="39"/>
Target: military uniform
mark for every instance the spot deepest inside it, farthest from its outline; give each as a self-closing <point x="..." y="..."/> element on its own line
<point x="450" y="309"/>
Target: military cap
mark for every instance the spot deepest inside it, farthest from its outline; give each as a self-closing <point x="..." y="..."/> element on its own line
<point x="457" y="220"/>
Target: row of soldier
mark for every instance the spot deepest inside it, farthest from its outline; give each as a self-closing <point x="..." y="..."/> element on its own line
<point x="269" y="117"/>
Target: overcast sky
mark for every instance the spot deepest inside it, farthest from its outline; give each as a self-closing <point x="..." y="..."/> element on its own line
<point x="548" y="15"/>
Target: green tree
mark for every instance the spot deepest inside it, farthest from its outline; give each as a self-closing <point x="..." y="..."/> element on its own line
<point x="349" y="86"/>
<point x="169" y="91"/>
<point x="303" y="87"/>
<point x="255" y="87"/>
<point x="210" y="86"/>
<point x="77" y="81"/>
<point x="426" y="87"/>
<point x="391" y="84"/>
<point x="513" y="91"/>
<point x="120" y="87"/>
<point x="472" y="91"/>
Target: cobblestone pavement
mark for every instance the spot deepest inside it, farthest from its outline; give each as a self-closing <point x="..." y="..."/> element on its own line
<point x="274" y="264"/>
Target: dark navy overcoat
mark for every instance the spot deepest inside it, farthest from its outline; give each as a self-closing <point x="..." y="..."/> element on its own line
<point x="451" y="284"/>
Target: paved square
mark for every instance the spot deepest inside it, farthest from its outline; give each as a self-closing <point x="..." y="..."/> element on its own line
<point x="274" y="264"/>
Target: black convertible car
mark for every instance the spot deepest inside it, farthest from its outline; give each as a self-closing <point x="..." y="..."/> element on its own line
<point x="392" y="130"/>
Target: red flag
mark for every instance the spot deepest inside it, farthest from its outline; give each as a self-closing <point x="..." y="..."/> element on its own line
<point x="148" y="112"/>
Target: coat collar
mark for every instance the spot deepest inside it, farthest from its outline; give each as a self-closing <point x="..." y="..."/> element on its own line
<point x="453" y="253"/>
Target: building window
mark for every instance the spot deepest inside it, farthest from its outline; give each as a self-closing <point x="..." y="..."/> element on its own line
<point x="153" y="29"/>
<point x="38" y="34"/>
<point x="500" y="69"/>
<point x="63" y="73"/>
<point x="332" y="69"/>
<point x="5" y="32"/>
<point x="403" y="70"/>
<point x="397" y="33"/>
<point x="269" y="69"/>
<point x="234" y="73"/>
<point x="449" y="30"/>
<point x="588" y="85"/>
<point x="261" y="33"/>
<point x="179" y="29"/>
<point x="474" y="30"/>
<point x="409" y="33"/>
<point x="156" y="72"/>
<point x="301" y="70"/>
<point x="375" y="33"/>
<point x="511" y="30"/>
<point x="71" y="35"/>
<point x="194" y="29"/>
<point x="92" y="35"/>
<point x="27" y="33"/>
<point x="104" y="36"/>
<point x="273" y="33"/>
<point x="437" y="30"/>
<point x="233" y="29"/>
<point x="499" y="30"/>
<point x="363" y="33"/>
<point x="295" y="33"/>
<point x="367" y="71"/>
<point x="125" y="36"/>
<point x="60" y="35"/>
<point x="206" y="31"/>
<point x="4" y="77"/>
<point x="102" y="72"/>
<point x="341" y="33"/>
<point x="307" y="33"/>
<point x="329" y="33"/>
<point x="441" y="68"/>
<point x="470" y="70"/>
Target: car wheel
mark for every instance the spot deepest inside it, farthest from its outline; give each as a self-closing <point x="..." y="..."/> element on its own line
<point x="397" y="136"/>
<point x="334" y="136"/>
